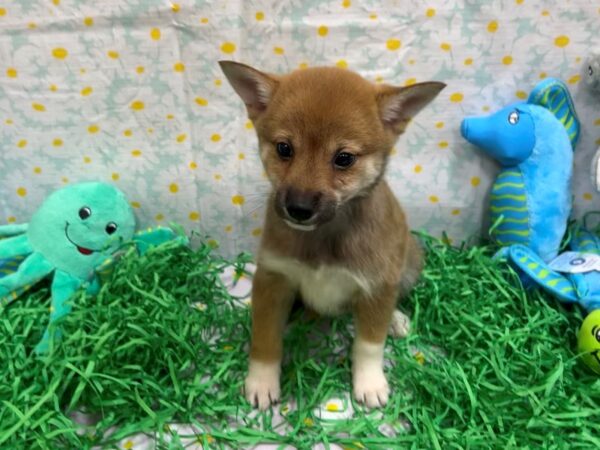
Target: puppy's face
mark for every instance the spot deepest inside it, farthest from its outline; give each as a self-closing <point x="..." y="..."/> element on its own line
<point x="325" y="134"/>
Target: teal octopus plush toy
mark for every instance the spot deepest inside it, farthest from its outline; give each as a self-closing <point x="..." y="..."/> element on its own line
<point x="533" y="141"/>
<point x="77" y="230"/>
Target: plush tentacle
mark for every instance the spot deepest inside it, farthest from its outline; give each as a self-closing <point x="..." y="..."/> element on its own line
<point x="15" y="246"/>
<point x="152" y="237"/>
<point x="538" y="271"/>
<point x="63" y="288"/>
<point x="94" y="286"/>
<point x="34" y="268"/>
<point x="11" y="230"/>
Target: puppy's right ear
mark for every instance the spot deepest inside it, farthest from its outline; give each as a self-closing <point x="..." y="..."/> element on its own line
<point x="254" y="87"/>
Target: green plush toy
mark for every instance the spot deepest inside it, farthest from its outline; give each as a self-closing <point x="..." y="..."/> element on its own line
<point x="76" y="231"/>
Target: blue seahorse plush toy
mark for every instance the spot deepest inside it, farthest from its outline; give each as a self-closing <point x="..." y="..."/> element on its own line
<point x="72" y="236"/>
<point x="531" y="201"/>
<point x="534" y="142"/>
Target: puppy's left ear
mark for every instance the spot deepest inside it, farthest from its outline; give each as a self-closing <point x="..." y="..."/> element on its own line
<point x="398" y="105"/>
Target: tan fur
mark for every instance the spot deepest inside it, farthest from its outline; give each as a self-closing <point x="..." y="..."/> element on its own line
<point x="361" y="237"/>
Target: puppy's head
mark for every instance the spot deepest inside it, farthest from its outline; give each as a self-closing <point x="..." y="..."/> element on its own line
<point x="325" y="134"/>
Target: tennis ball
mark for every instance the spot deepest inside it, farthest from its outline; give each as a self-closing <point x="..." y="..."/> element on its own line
<point x="588" y="340"/>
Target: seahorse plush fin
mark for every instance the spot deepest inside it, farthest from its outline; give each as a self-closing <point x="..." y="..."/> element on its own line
<point x="584" y="241"/>
<point x="538" y="271"/>
<point x="553" y="95"/>
<point x="587" y="284"/>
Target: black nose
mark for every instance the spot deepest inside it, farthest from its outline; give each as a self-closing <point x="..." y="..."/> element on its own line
<point x="301" y="206"/>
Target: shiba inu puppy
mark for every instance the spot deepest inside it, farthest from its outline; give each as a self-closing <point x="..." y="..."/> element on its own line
<point x="334" y="233"/>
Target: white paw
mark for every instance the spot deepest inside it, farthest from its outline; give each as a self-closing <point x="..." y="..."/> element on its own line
<point x="262" y="384"/>
<point x="371" y="387"/>
<point x="400" y="325"/>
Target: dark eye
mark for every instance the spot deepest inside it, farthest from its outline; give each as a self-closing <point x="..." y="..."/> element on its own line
<point x="513" y="118"/>
<point x="590" y="71"/>
<point x="111" y="227"/>
<point x="284" y="150"/>
<point x="344" y="160"/>
<point x="597" y="334"/>
<point x="85" y="212"/>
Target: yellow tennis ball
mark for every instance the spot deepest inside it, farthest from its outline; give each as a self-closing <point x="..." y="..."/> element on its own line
<point x="588" y="340"/>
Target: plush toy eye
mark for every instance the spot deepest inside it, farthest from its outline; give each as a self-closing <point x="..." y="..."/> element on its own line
<point x="111" y="227"/>
<point x="596" y="333"/>
<point x="590" y="71"/>
<point x="513" y="118"/>
<point x="343" y="160"/>
<point x="84" y="213"/>
<point x="284" y="150"/>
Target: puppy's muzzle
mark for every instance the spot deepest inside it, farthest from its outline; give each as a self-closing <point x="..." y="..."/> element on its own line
<point x="303" y="209"/>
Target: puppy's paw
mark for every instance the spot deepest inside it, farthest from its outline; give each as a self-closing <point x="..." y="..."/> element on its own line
<point x="371" y="387"/>
<point x="262" y="384"/>
<point x="400" y="325"/>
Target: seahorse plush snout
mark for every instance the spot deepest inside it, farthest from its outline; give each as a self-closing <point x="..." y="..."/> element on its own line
<point x="508" y="135"/>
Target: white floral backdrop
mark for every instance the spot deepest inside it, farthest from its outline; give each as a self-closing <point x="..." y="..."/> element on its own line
<point x="131" y="93"/>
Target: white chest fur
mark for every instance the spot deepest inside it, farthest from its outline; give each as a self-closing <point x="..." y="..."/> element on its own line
<point x="326" y="289"/>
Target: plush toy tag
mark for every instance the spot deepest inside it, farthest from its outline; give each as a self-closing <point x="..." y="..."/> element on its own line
<point x="576" y="262"/>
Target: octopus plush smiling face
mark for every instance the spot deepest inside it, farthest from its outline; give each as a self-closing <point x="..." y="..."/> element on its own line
<point x="80" y="226"/>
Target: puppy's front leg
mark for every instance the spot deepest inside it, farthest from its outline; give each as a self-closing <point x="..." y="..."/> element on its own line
<point x="272" y="299"/>
<point x="372" y="316"/>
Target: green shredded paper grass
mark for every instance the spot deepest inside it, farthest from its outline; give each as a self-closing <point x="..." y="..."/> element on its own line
<point x="487" y="365"/>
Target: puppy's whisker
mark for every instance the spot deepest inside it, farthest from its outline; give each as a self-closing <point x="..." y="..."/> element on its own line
<point x="258" y="195"/>
<point x="253" y="210"/>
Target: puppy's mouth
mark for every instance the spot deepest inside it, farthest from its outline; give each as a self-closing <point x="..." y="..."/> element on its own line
<point x="300" y="226"/>
<point x="313" y="223"/>
<point x="321" y="218"/>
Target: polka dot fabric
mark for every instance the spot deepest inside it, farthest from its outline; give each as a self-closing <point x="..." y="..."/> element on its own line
<point x="131" y="93"/>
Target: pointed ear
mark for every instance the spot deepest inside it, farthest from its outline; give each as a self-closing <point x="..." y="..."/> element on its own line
<point x="398" y="105"/>
<point x="254" y="87"/>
